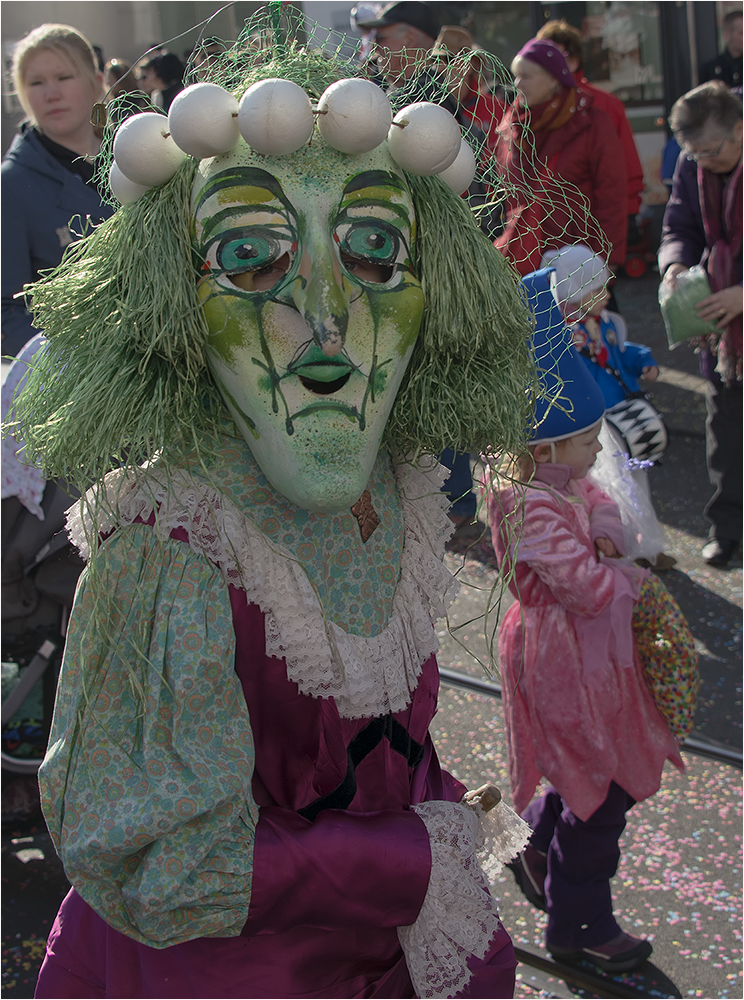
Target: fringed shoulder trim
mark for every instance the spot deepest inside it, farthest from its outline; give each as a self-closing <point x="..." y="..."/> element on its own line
<point x="366" y="676"/>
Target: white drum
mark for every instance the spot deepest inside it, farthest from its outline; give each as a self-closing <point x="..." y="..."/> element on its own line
<point x="640" y="426"/>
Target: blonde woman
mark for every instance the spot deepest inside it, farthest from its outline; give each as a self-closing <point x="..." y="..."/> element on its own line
<point x="47" y="175"/>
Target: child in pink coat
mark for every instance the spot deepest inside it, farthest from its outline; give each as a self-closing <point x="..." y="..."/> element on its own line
<point x="578" y="710"/>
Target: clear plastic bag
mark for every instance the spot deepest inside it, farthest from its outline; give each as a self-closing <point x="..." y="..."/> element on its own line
<point x="678" y="306"/>
<point x="614" y="472"/>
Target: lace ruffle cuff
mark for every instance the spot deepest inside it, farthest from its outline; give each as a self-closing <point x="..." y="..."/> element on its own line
<point x="459" y="916"/>
<point x="502" y="834"/>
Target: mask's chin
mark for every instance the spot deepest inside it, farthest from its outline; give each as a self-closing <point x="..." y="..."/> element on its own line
<point x="322" y="470"/>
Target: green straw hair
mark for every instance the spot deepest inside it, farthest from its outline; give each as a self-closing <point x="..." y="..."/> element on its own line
<point x="472" y="378"/>
<point x="124" y="374"/>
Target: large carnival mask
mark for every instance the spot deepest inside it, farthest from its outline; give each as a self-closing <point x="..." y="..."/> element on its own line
<point x="312" y="306"/>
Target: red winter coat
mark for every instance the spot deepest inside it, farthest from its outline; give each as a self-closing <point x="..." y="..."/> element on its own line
<point x="614" y="107"/>
<point x="541" y="212"/>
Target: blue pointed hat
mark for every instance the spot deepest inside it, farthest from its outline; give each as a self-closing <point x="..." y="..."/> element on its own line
<point x="573" y="401"/>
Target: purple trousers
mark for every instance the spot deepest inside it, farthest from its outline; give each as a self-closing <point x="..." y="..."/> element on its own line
<point x="582" y="858"/>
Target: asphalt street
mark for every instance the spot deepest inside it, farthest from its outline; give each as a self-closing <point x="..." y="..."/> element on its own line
<point x="679" y="881"/>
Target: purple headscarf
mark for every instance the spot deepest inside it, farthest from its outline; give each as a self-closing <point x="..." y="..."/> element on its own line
<point x="550" y="57"/>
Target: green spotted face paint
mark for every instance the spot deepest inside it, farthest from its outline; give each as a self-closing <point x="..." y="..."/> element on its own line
<point x="312" y="306"/>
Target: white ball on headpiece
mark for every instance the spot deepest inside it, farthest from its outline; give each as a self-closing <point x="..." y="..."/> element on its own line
<point x="275" y="117"/>
<point x="460" y="173"/>
<point x="125" y="191"/>
<point x="201" y="120"/>
<point x="428" y="141"/>
<point x="357" y="118"/>
<point x="145" y="152"/>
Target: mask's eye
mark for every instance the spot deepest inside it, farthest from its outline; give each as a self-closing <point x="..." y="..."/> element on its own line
<point x="371" y="242"/>
<point x="369" y="250"/>
<point x="247" y="254"/>
<point x="253" y="259"/>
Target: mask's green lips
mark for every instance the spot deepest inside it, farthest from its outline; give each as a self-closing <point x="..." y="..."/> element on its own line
<point x="321" y="374"/>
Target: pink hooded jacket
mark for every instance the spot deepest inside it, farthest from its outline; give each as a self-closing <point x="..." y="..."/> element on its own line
<point x="578" y="711"/>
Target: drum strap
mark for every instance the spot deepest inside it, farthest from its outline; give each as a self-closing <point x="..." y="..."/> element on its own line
<point x="629" y="394"/>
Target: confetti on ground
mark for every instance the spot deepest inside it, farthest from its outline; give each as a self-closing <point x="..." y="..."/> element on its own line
<point x="679" y="879"/>
<point x="21" y="961"/>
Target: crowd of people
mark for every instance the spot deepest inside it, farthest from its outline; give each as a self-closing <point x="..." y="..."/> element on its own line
<point x="582" y="135"/>
<point x="240" y="779"/>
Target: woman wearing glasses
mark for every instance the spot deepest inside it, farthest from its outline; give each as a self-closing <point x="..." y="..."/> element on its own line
<point x="703" y="225"/>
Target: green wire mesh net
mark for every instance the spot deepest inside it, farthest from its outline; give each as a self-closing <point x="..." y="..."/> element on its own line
<point x="125" y="375"/>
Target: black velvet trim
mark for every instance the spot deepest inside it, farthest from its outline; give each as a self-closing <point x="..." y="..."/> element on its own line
<point x="365" y="741"/>
<point x="403" y="743"/>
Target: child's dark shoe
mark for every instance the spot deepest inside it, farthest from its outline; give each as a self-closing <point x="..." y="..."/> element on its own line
<point x="661" y="564"/>
<point x="530" y="868"/>
<point x="621" y="954"/>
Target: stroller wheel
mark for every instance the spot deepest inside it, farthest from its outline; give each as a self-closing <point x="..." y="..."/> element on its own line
<point x="19" y="765"/>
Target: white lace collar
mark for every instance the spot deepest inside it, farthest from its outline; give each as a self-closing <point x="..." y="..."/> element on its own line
<point x="366" y="676"/>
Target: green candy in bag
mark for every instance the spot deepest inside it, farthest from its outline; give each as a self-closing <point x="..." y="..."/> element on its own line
<point x="678" y="306"/>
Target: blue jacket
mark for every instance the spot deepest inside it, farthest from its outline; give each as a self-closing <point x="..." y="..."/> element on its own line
<point x="625" y="357"/>
<point x="40" y="198"/>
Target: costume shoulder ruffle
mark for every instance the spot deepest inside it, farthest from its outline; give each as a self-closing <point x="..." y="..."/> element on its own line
<point x="366" y="675"/>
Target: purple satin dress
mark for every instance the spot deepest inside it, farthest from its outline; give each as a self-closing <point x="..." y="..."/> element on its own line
<point x="328" y="893"/>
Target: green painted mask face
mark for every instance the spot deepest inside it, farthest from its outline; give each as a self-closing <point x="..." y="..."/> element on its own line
<point x="312" y="307"/>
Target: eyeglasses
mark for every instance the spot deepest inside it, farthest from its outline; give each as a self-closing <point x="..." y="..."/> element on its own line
<point x="707" y="156"/>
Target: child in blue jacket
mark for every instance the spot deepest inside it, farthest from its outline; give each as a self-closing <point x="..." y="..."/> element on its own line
<point x="600" y="336"/>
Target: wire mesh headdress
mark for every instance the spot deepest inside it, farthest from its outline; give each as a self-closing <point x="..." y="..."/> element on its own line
<point x="125" y="373"/>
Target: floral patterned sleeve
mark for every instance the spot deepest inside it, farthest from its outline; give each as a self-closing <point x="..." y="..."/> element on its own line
<point x="146" y="786"/>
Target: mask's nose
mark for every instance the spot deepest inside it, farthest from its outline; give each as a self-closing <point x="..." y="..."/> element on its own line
<point x="319" y="296"/>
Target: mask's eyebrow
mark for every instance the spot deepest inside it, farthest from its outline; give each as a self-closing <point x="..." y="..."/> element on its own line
<point x="267" y="188"/>
<point x="241" y="177"/>
<point x="375" y="178"/>
<point x="379" y="187"/>
<point x="269" y="213"/>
